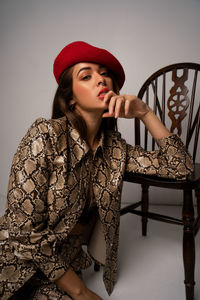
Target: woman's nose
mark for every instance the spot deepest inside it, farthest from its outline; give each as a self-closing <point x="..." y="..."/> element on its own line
<point x="101" y="80"/>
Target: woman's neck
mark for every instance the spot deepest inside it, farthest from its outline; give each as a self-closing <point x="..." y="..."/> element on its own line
<point x="93" y="123"/>
<point x="92" y="132"/>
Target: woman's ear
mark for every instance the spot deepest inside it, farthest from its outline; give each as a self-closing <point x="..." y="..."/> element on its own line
<point x="72" y="104"/>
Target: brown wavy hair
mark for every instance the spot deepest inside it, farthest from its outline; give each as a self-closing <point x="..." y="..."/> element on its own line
<point x="62" y="105"/>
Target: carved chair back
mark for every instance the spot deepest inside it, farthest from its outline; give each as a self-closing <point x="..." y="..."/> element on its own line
<point x="173" y="93"/>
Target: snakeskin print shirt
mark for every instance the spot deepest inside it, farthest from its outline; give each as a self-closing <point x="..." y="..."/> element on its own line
<point x="47" y="194"/>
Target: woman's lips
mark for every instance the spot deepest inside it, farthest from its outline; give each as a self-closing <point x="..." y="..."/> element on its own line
<point x="102" y="93"/>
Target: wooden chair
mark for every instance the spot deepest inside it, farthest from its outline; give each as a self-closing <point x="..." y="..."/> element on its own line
<point x="173" y="93"/>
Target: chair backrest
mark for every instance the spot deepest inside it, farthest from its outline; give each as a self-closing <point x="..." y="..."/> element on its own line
<point x="173" y="93"/>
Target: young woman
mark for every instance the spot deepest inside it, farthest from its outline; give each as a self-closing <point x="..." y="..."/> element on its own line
<point x="66" y="180"/>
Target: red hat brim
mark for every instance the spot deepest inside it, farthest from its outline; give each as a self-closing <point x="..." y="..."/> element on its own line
<point x="79" y="51"/>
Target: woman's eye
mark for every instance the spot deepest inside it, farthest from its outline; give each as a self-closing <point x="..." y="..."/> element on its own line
<point x="105" y="73"/>
<point x="86" y="77"/>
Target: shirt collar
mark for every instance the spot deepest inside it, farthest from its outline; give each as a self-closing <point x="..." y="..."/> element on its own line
<point x="79" y="147"/>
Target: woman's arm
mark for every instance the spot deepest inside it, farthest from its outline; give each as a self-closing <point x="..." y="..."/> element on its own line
<point x="155" y="126"/>
<point x="27" y="212"/>
<point x="172" y="160"/>
<point x="129" y="106"/>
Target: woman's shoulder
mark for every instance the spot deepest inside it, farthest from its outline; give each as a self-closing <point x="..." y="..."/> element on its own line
<point x="48" y="126"/>
<point x="44" y="134"/>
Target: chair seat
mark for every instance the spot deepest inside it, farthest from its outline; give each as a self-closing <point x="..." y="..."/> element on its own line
<point x="191" y="183"/>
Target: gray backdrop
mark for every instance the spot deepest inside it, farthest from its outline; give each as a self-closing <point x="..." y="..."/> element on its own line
<point x="144" y="35"/>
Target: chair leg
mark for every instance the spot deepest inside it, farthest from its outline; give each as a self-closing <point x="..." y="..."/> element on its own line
<point x="145" y="207"/>
<point x="197" y="194"/>
<point x="188" y="244"/>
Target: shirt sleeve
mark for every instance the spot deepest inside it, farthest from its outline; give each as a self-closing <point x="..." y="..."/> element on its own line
<point x="31" y="238"/>
<point x="171" y="160"/>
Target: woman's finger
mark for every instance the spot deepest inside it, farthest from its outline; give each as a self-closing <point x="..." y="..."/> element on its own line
<point x="111" y="105"/>
<point x="127" y="107"/>
<point x="119" y="106"/>
<point x="108" y="96"/>
<point x="106" y="115"/>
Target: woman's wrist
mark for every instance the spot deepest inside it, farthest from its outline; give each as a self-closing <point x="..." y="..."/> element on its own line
<point x="87" y="295"/>
<point x="79" y="292"/>
<point x="71" y="283"/>
<point x="146" y="112"/>
<point x="154" y="125"/>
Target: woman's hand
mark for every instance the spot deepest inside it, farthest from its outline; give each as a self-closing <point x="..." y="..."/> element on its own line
<point x="87" y="295"/>
<point x="75" y="287"/>
<point x="124" y="106"/>
<point x="129" y="106"/>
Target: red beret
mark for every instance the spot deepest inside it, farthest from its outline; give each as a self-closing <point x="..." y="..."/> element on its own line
<point x="79" y="51"/>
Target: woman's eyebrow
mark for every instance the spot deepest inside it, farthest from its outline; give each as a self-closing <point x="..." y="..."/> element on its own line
<point x="82" y="69"/>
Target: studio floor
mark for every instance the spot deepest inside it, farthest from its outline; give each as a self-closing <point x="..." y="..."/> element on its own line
<point x="150" y="268"/>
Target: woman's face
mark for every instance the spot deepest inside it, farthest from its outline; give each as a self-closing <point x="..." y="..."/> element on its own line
<point x="90" y="84"/>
